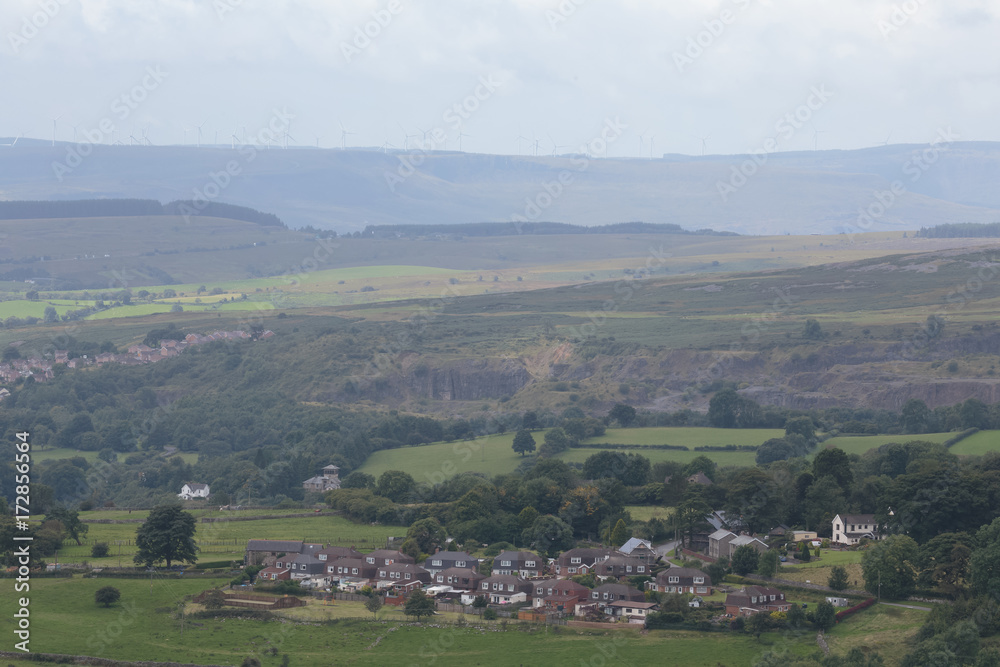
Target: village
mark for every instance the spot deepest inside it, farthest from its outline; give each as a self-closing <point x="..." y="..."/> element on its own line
<point x="42" y="369"/>
<point x="539" y="588"/>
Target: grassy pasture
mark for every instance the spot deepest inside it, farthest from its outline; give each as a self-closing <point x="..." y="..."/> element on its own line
<point x="227" y="540"/>
<point x="690" y="437"/>
<point x="144" y="626"/>
<point x="978" y="444"/>
<point x="862" y="443"/>
<point x="647" y="512"/>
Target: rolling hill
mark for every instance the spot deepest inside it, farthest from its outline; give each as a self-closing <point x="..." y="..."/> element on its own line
<point x="803" y="192"/>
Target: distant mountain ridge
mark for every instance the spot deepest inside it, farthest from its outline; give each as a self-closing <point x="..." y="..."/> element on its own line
<point x="896" y="186"/>
<point x="114" y="208"/>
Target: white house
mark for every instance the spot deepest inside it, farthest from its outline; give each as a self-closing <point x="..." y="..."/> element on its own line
<point x="851" y="528"/>
<point x="193" y="490"/>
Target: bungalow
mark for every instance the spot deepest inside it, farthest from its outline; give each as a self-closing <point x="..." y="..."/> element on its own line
<point x="505" y="589"/>
<point x="852" y="528"/>
<point x="581" y="560"/>
<point x="619" y="567"/>
<point x="459" y="578"/>
<point x="632" y="612"/>
<point x="641" y="549"/>
<point x="753" y="599"/>
<point x="193" y="490"/>
<point x="444" y="560"/>
<point x="747" y="540"/>
<point x="607" y="593"/>
<point x="266" y="552"/>
<point x="521" y="563"/>
<point x="681" y="580"/>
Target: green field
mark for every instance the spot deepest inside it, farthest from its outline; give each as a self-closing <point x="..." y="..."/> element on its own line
<point x="689" y="437"/>
<point x="647" y="512"/>
<point x="227" y="540"/>
<point x="859" y="444"/>
<point x="978" y="444"/>
<point x="144" y="626"/>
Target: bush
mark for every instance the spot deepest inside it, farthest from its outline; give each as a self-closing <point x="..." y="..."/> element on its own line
<point x="490" y="615"/>
<point x="107" y="596"/>
<point x="99" y="550"/>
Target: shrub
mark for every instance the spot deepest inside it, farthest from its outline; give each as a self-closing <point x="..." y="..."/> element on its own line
<point x="99" y="550"/>
<point x="490" y="615"/>
<point x="107" y="596"/>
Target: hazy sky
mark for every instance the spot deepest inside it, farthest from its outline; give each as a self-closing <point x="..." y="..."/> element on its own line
<point x="856" y="72"/>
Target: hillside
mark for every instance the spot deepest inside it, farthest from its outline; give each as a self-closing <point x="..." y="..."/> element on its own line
<point x="803" y="192"/>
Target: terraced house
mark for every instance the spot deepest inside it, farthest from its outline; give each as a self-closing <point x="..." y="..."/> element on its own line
<point x="681" y="580"/>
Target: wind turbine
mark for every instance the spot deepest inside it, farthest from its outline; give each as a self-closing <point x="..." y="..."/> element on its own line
<point x="519" y="139"/>
<point x="386" y="146"/>
<point x="423" y="138"/>
<point x="11" y="144"/>
<point x="75" y="125"/>
<point x="131" y="137"/>
<point x="642" y="136"/>
<point x="704" y="142"/>
<point x="54" y="129"/>
<point x="199" y="132"/>
<point x="460" y="135"/>
<point x="145" y="139"/>
<point x="234" y="137"/>
<point x="318" y="137"/>
<point x="535" y="145"/>
<point x="652" y="140"/>
<point x="886" y="142"/>
<point x="816" y="134"/>
<point x="555" y="146"/>
<point x="406" y="137"/>
<point x="286" y="136"/>
<point x="343" y="136"/>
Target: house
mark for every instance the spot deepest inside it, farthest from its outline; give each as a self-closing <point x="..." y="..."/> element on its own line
<point x="274" y="574"/>
<point x="607" y="593"/>
<point x="554" y="593"/>
<point x="382" y="557"/>
<point x="838" y="602"/>
<point x="632" y="612"/>
<point x="581" y="560"/>
<point x="621" y="566"/>
<point x="521" y="563"/>
<point x="504" y="589"/>
<point x="193" y="490"/>
<point x="266" y="552"/>
<point x="778" y="531"/>
<point x="803" y="535"/>
<point x="681" y="580"/>
<point x="328" y="481"/>
<point x="444" y="560"/>
<point x="331" y="554"/>
<point x="753" y="599"/>
<point x="351" y="568"/>
<point x="459" y="578"/>
<point x="304" y="566"/>
<point x="641" y="549"/>
<point x="852" y="528"/>
<point x="718" y="543"/>
<point x="747" y="540"/>
<point x="401" y="574"/>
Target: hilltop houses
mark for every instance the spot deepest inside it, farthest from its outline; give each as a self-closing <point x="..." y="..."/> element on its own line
<point x="41" y="369"/>
<point x="328" y="481"/>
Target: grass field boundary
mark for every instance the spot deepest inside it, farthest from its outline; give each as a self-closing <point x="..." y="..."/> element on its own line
<point x="63" y="659"/>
